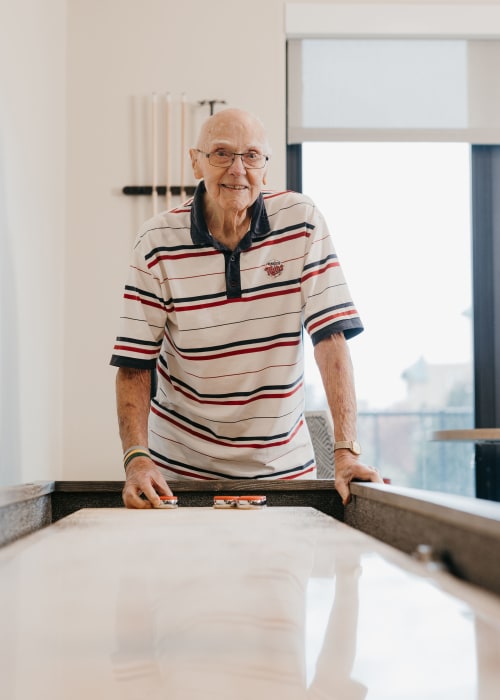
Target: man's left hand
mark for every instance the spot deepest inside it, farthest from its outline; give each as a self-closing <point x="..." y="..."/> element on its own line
<point x="347" y="469"/>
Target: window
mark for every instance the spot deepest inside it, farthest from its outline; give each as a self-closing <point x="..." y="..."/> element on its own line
<point x="337" y="108"/>
<point x="399" y="214"/>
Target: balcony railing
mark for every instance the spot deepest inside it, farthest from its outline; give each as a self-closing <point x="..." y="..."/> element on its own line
<point x="399" y="444"/>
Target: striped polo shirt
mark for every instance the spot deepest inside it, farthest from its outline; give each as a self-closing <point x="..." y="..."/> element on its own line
<point x="223" y="328"/>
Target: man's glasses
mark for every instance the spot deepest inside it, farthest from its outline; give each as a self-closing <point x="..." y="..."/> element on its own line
<point x="223" y="159"/>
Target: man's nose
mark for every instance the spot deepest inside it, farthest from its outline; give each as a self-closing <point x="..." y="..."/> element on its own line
<point x="237" y="164"/>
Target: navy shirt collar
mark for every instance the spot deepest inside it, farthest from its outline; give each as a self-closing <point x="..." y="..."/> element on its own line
<point x="200" y="234"/>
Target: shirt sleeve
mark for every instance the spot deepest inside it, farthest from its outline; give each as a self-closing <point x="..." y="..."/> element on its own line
<point x="328" y="306"/>
<point x="144" y="313"/>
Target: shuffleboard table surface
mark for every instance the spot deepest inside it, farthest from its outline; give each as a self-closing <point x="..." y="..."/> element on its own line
<point x="190" y="603"/>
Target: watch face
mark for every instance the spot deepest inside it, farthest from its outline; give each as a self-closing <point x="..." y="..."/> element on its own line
<point x="356" y="448"/>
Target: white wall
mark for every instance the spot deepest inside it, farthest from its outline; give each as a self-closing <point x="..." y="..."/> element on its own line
<point x="120" y="51"/>
<point x="32" y="237"/>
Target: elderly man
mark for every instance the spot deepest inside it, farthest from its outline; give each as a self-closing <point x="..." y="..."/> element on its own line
<point x="218" y="293"/>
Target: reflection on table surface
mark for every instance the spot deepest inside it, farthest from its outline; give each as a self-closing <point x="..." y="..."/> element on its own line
<point x="199" y="603"/>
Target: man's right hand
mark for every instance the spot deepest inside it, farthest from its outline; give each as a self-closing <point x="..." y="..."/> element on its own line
<point x="144" y="477"/>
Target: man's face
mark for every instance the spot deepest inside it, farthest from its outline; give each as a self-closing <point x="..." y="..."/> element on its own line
<point x="234" y="188"/>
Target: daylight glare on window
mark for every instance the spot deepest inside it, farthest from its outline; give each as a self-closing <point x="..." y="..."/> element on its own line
<point x="399" y="215"/>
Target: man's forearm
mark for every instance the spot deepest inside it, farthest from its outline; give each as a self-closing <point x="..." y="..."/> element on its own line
<point x="133" y="389"/>
<point x="143" y="479"/>
<point x="334" y="362"/>
<point x="335" y="366"/>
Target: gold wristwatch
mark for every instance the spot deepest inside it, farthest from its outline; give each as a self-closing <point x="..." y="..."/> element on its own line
<point x="350" y="445"/>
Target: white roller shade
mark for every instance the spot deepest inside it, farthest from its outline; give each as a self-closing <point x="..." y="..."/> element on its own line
<point x="383" y="89"/>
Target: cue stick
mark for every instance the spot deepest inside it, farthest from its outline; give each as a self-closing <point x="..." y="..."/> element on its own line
<point x="183" y="145"/>
<point x="154" y="107"/>
<point x="168" y="141"/>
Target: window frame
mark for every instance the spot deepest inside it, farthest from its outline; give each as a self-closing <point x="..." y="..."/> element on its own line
<point x="485" y="203"/>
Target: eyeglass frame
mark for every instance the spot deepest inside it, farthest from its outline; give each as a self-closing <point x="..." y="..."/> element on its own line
<point x="234" y="154"/>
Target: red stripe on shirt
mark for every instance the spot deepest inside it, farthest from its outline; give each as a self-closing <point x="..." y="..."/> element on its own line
<point x="135" y="297"/>
<point x="181" y="256"/>
<point x="295" y="476"/>
<point x="282" y="239"/>
<point x="183" y="472"/>
<point x="320" y="271"/>
<point x="228" y="402"/>
<point x="238" y="351"/>
<point x="332" y="317"/>
<point x="141" y="351"/>
<point x="224" y="443"/>
<point x="269" y="295"/>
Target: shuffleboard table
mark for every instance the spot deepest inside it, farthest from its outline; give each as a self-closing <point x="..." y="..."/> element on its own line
<point x="397" y="596"/>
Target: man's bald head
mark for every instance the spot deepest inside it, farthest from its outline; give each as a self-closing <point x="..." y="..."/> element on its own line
<point x="232" y="121"/>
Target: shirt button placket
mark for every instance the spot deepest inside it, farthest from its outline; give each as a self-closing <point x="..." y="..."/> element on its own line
<point x="233" y="272"/>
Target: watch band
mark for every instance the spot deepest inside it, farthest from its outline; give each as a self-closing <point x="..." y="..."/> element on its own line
<point x="351" y="445"/>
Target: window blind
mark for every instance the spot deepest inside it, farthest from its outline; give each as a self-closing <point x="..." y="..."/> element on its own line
<point x="393" y="89"/>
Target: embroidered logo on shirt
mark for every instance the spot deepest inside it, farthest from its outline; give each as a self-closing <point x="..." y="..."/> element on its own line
<point x="274" y="268"/>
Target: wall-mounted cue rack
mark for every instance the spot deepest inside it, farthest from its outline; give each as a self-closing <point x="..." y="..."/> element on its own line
<point x="161" y="190"/>
<point x="165" y="114"/>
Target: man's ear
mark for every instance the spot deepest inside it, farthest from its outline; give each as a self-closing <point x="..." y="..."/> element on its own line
<point x="195" y="163"/>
